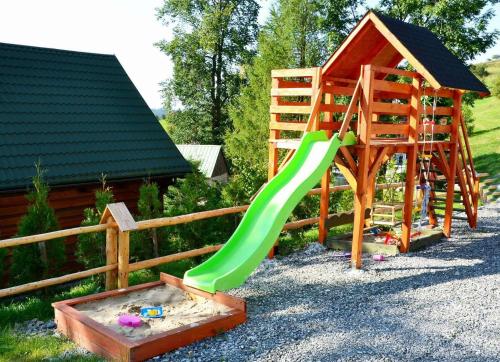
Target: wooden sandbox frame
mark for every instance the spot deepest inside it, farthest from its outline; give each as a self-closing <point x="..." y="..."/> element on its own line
<point x="105" y="342"/>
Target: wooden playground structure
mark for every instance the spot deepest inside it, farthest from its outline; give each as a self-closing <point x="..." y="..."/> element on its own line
<point x="390" y="109"/>
<point x="360" y="88"/>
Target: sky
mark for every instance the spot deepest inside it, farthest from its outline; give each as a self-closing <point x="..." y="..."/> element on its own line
<point x="126" y="28"/>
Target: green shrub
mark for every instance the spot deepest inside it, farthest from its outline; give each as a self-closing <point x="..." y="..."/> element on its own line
<point x="194" y="194"/>
<point x="91" y="248"/>
<point x="145" y="244"/>
<point x="495" y="91"/>
<point x="39" y="260"/>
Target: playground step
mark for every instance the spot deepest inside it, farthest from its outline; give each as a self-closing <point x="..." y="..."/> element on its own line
<point x="454" y="217"/>
<point x="443" y="199"/>
<point x="444" y="208"/>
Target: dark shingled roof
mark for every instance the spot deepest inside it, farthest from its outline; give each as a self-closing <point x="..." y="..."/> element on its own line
<point x="446" y="68"/>
<point x="81" y="116"/>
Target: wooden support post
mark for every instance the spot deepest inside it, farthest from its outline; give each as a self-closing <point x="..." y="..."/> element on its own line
<point x="123" y="258"/>
<point x="111" y="255"/>
<point x="118" y="213"/>
<point x="364" y="158"/>
<point x="325" y="183"/>
<point x="323" y="206"/>
<point x="272" y="169"/>
<point x="411" y="163"/>
<point x="453" y="157"/>
<point x="273" y="135"/>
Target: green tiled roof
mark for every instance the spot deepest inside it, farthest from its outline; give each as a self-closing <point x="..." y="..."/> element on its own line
<point x="81" y="116"/>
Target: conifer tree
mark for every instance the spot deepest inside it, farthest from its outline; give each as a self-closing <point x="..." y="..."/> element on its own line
<point x="91" y="248"/>
<point x="145" y="244"/>
<point x="39" y="260"/>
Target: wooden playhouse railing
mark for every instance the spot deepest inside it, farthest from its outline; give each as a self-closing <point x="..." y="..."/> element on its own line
<point x="118" y="224"/>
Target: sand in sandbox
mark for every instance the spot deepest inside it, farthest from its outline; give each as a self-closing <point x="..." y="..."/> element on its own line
<point x="179" y="309"/>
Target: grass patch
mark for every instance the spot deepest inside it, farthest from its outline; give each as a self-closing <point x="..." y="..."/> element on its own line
<point x="484" y="142"/>
<point x="15" y="347"/>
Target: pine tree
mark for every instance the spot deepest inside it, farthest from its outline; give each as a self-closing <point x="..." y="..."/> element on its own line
<point x="91" y="248"/>
<point x="194" y="194"/>
<point x="145" y="244"/>
<point x="40" y="260"/>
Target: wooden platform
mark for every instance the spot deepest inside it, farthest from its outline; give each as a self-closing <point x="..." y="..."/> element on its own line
<point x="105" y="342"/>
<point x="373" y="246"/>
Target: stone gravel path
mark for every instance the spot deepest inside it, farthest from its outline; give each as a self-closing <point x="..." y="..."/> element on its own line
<point x="441" y="304"/>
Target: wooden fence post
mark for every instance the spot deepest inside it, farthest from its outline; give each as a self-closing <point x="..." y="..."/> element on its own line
<point x="111" y="255"/>
<point x="123" y="258"/>
<point x="125" y="222"/>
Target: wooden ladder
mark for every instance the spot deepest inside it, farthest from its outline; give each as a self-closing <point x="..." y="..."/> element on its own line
<point x="467" y="177"/>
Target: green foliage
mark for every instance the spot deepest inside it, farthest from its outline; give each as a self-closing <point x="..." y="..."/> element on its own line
<point x="298" y="33"/>
<point x="211" y="39"/>
<point x="145" y="244"/>
<point x="91" y="248"/>
<point x="495" y="89"/>
<point x="194" y="194"/>
<point x="480" y="71"/>
<point x="39" y="260"/>
<point x="462" y="25"/>
<point x="484" y="142"/>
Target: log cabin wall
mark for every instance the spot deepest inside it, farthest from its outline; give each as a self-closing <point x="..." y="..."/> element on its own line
<point x="68" y="203"/>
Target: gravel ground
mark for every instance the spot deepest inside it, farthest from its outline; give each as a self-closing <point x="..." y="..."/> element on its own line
<point x="441" y="304"/>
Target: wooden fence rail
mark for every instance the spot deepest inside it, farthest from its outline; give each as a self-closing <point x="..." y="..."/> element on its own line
<point x="117" y="266"/>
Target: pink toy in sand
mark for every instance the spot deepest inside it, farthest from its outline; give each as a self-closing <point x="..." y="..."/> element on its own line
<point x="378" y="257"/>
<point x="128" y="320"/>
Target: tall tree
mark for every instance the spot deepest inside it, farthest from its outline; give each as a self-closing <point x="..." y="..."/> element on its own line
<point x="37" y="261"/>
<point x="298" y="33"/>
<point x="211" y="39"/>
<point x="462" y="25"/>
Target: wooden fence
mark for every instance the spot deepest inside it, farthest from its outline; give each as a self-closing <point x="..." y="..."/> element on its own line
<point x="117" y="223"/>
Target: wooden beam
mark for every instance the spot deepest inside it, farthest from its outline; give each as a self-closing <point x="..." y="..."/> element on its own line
<point x="295" y="109"/>
<point x="292" y="73"/>
<point x="54" y="281"/>
<point x="366" y="96"/>
<point x="390" y="128"/>
<point x="325" y="180"/>
<point x="350" y="110"/>
<point x="377" y="162"/>
<point x="24" y="240"/>
<point x="350" y="160"/>
<point x="288" y="126"/>
<point x="291" y="92"/>
<point x="346" y="172"/>
<point x="443" y="160"/>
<point x="391" y="108"/>
<point x="453" y="159"/>
<point x="411" y="162"/>
<point x="111" y="255"/>
<point x="392" y="87"/>
<point x="123" y="258"/>
<point x="272" y="167"/>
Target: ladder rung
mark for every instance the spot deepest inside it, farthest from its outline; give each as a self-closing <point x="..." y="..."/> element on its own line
<point x="444" y="208"/>
<point x="455" y="217"/>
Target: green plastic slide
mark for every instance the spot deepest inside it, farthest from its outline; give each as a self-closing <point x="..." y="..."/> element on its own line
<point x="262" y="223"/>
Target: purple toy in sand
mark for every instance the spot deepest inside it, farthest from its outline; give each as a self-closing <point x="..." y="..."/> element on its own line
<point x="128" y="320"/>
